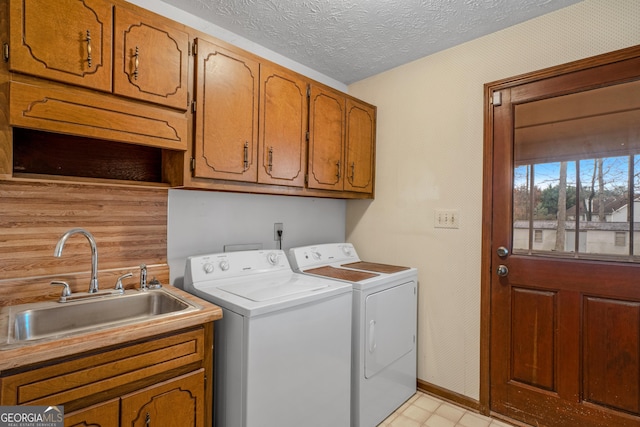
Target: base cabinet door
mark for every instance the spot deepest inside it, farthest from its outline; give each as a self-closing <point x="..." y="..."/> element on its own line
<point x="106" y="414"/>
<point x="177" y="402"/>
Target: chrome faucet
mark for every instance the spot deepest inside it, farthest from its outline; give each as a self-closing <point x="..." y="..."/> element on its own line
<point x="93" y="285"/>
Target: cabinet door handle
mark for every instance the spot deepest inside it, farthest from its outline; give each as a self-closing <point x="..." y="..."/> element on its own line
<point x="89" y="48"/>
<point x="246" y="155"/>
<point x="353" y="170"/>
<point x="136" y="63"/>
<point x="147" y="420"/>
<point x="338" y="166"/>
<point x="270" y="159"/>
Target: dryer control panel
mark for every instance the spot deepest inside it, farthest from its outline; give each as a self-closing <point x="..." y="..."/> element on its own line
<point x="306" y="257"/>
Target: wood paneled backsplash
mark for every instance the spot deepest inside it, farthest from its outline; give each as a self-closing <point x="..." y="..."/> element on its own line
<point x="129" y="225"/>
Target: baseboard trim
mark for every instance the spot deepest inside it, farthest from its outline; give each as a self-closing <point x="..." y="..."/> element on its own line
<point x="449" y="395"/>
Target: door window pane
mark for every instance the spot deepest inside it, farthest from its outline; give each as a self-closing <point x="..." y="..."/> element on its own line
<point x="577" y="175"/>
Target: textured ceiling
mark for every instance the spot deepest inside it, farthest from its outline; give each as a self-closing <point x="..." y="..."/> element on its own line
<point x="349" y="40"/>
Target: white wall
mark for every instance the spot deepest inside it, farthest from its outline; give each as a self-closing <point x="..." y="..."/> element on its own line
<point x="429" y="156"/>
<point x="202" y="222"/>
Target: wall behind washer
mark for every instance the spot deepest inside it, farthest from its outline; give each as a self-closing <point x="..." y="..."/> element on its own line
<point x="201" y="222"/>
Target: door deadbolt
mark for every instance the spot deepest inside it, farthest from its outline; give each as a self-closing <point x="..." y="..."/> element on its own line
<point x="502" y="270"/>
<point x="502" y="251"/>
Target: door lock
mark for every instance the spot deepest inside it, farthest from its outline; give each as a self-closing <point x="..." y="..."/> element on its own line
<point x="502" y="251"/>
<point x="502" y="270"/>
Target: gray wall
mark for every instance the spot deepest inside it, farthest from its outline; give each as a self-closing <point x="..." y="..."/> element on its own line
<point x="202" y="222"/>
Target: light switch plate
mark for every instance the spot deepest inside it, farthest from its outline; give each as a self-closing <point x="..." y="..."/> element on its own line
<point x="447" y="218"/>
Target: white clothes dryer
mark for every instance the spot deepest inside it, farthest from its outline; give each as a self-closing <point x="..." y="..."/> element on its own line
<point x="384" y="326"/>
<point x="282" y="350"/>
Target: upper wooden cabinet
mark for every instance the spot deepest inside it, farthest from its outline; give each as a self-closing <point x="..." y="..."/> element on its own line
<point x="250" y="120"/>
<point x="65" y="40"/>
<point x="150" y="59"/>
<point x="341" y="142"/>
<point x="80" y="43"/>
<point x="360" y="147"/>
<point x="106" y="71"/>
<point x="226" y="117"/>
<point x="283" y="127"/>
<point x="326" y="139"/>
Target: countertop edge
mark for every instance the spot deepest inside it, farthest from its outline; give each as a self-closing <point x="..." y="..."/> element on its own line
<point x="15" y="358"/>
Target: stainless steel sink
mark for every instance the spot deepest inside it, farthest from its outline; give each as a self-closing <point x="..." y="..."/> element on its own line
<point x="36" y="321"/>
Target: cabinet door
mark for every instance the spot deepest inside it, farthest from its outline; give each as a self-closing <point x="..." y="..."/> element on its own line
<point x="283" y="127"/>
<point x="174" y="403"/>
<point x="150" y="59"/>
<point x="105" y="414"/>
<point x="66" y="40"/>
<point x="226" y="117"/>
<point x="360" y="149"/>
<point x="326" y="139"/>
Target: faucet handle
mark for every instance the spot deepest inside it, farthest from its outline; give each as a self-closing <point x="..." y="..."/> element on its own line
<point x="143" y="277"/>
<point x="66" y="291"/>
<point x="119" y="286"/>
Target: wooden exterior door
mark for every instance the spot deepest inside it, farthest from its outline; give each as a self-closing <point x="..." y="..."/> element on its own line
<point x="283" y="127"/>
<point x="68" y="41"/>
<point x="563" y="276"/>
<point x="226" y="117"/>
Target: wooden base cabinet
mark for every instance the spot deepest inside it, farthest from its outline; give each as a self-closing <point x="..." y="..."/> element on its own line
<point x="174" y="403"/>
<point x="161" y="381"/>
<point x="105" y="414"/>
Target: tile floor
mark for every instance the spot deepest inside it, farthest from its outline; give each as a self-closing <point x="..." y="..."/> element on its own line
<point x="424" y="410"/>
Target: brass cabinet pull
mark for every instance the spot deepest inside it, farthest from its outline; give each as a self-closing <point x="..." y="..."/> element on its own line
<point x="246" y="155"/>
<point x="338" y="167"/>
<point x="270" y="164"/>
<point x="136" y="64"/>
<point x="89" y="48"/>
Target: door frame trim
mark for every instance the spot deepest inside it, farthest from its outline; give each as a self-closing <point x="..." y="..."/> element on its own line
<point x="487" y="193"/>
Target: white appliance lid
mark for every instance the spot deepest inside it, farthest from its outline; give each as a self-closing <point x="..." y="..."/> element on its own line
<point x="266" y="290"/>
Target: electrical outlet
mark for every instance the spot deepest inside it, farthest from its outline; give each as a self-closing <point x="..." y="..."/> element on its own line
<point x="447" y="218"/>
<point x="277" y="227"/>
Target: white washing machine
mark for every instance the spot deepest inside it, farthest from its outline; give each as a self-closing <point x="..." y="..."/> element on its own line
<point x="384" y="326"/>
<point x="282" y="349"/>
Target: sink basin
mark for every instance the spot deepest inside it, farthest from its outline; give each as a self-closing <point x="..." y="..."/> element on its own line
<point x="30" y="322"/>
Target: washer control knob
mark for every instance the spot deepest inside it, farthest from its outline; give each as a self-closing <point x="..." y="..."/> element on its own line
<point x="347" y="250"/>
<point x="208" y="268"/>
<point x="316" y="255"/>
<point x="272" y="257"/>
<point x="224" y="265"/>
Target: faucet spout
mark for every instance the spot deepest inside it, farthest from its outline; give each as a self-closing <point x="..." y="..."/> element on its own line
<point x="93" y="285"/>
